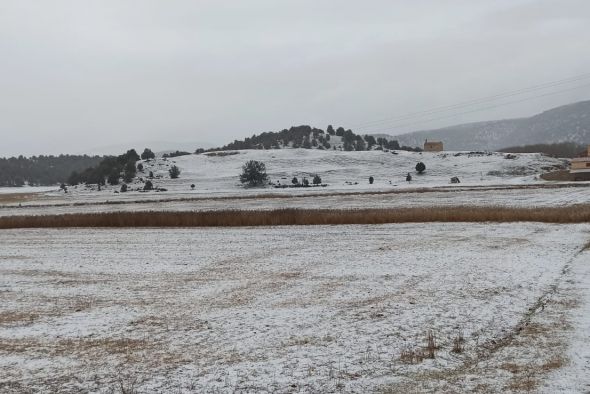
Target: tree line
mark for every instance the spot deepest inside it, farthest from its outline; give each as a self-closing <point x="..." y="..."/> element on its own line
<point x="308" y="137"/>
<point x="42" y="170"/>
<point x="112" y="169"/>
<point x="561" y="149"/>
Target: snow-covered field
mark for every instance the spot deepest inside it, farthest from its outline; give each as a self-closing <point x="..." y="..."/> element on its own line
<point x="28" y="189"/>
<point x="296" y="309"/>
<point x="301" y="309"/>
<point x="217" y="186"/>
<point x="508" y="197"/>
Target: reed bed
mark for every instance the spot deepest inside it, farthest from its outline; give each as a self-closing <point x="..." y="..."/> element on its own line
<point x="301" y="217"/>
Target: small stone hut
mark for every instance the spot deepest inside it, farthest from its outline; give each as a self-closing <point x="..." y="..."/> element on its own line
<point x="433" y="146"/>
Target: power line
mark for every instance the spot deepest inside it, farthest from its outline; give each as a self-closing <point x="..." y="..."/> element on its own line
<point x="395" y="126"/>
<point x="473" y="102"/>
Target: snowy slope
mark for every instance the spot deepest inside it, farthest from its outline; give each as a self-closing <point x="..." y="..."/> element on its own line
<point x="342" y="172"/>
<point x="214" y="174"/>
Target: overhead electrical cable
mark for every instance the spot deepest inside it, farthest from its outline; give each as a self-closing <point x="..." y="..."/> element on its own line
<point x="390" y="127"/>
<point x="473" y="102"/>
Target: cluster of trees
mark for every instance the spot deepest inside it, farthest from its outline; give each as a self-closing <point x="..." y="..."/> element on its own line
<point x="148" y="154"/>
<point x="176" y="154"/>
<point x="254" y="174"/>
<point x="111" y="169"/>
<point x="308" y="137"/>
<point x="305" y="182"/>
<point x="562" y="149"/>
<point x="42" y="170"/>
<point x="297" y="137"/>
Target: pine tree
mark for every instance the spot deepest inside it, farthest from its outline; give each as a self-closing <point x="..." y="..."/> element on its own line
<point x="174" y="172"/>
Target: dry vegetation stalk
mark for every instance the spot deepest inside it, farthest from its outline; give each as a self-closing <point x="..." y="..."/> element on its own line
<point x="235" y="218"/>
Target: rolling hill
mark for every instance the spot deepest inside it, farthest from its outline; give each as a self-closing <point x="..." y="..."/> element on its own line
<point x="568" y="123"/>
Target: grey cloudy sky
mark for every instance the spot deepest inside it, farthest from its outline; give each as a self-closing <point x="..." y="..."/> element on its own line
<point x="81" y="74"/>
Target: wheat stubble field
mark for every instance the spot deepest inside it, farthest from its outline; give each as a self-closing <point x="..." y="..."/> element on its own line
<point x="344" y="308"/>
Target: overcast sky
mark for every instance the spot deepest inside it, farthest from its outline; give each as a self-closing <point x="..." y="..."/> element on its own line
<point x="78" y="75"/>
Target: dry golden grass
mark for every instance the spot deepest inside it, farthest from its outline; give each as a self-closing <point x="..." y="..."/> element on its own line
<point x="523" y="384"/>
<point x="76" y="346"/>
<point x="234" y="218"/>
<point x="13" y="317"/>
<point x="13" y="198"/>
<point x="511" y="367"/>
<point x="553" y="363"/>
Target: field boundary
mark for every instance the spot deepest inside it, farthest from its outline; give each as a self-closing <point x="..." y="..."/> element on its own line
<point x="417" y="190"/>
<point x="300" y="217"/>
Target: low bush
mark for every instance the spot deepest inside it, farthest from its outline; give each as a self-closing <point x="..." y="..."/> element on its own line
<point x="420" y="167"/>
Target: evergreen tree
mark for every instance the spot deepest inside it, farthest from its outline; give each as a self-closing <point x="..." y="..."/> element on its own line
<point x="253" y="173"/>
<point x="420" y="167"/>
<point x="174" y="172"/>
<point x="129" y="171"/>
<point x="113" y="178"/>
<point x="148" y="154"/>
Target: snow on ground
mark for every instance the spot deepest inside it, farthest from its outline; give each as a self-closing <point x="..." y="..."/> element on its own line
<point x="295" y="309"/>
<point x="509" y="197"/>
<point x="28" y="189"/>
<point x="219" y="175"/>
<point x="575" y="292"/>
<point x="336" y="168"/>
<point x="216" y="181"/>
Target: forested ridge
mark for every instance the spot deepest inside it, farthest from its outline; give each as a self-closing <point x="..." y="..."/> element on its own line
<point x="42" y="170"/>
<point x="308" y="137"/>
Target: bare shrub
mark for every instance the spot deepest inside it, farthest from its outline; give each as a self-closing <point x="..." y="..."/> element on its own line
<point x="458" y="342"/>
<point x="126" y="385"/>
<point x="430" y="345"/>
<point x="411" y="356"/>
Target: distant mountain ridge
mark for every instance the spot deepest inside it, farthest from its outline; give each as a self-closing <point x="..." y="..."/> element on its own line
<point x="567" y="123"/>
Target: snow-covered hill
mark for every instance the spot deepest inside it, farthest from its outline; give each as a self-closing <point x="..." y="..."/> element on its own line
<point x="215" y="173"/>
<point x="488" y="179"/>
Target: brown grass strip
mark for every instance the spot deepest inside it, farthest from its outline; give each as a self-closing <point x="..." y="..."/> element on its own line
<point x="14" y="198"/>
<point x="280" y="217"/>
